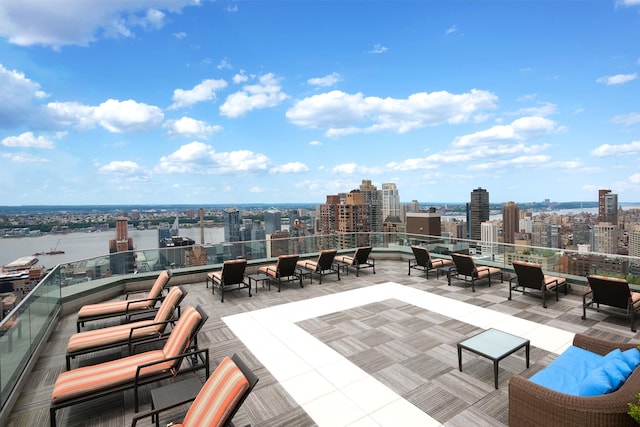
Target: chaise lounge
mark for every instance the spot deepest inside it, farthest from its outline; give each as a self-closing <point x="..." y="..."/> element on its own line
<point x="131" y="334"/>
<point x="359" y="260"/>
<point x="91" y="382"/>
<point x="284" y="270"/>
<point x="230" y="278"/>
<point x="423" y="262"/>
<point x="219" y="399"/>
<point x="466" y="269"/>
<point x="614" y="293"/>
<point x="322" y="266"/>
<point x="125" y="307"/>
<point x="529" y="275"/>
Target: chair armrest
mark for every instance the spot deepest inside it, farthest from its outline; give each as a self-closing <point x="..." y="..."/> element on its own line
<point x="132" y="345"/>
<point x="142" y="291"/>
<point x="151" y="412"/>
<point x="136" y="301"/>
<point x="191" y="353"/>
<point x="513" y="279"/>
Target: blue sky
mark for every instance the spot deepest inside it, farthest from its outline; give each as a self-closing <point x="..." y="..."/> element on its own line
<point x="202" y="102"/>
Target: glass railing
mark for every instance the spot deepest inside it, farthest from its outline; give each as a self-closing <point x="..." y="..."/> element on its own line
<point x="22" y="329"/>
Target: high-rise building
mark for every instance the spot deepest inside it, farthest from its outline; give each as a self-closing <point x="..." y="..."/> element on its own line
<point x="272" y="220"/>
<point x="510" y="222"/>
<point x="605" y="238"/>
<point x="489" y="238"/>
<point x="232" y="225"/>
<point x="122" y="259"/>
<point x="608" y="207"/>
<point x="372" y="197"/>
<point x="477" y="212"/>
<point x="546" y="233"/>
<point x="390" y="201"/>
<point x="424" y="223"/>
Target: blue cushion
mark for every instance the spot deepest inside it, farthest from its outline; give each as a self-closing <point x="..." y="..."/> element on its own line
<point x="608" y="377"/>
<point x="632" y="357"/>
<point x="566" y="372"/>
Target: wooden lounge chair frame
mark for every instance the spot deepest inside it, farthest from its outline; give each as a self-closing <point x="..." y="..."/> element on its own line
<point x="131" y="308"/>
<point x="230" y="278"/>
<point x="246" y="371"/>
<point x="466" y="270"/>
<point x="423" y="262"/>
<point x="359" y="260"/>
<point x="614" y="293"/>
<point x="196" y="358"/>
<point x="529" y="275"/>
<point x="531" y="404"/>
<point x="283" y="271"/>
<point x="132" y="341"/>
<point x="321" y="266"/>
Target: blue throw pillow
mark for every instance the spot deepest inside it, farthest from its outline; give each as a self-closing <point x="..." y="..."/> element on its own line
<point x="608" y="377"/>
<point x="632" y="357"/>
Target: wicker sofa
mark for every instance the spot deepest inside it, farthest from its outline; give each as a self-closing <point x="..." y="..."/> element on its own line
<point x="533" y="405"/>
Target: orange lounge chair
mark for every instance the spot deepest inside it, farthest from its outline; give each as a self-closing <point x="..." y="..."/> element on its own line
<point x="422" y="261"/>
<point x="131" y="372"/>
<point x="125" y="307"/>
<point x="230" y="278"/>
<point x="128" y="333"/>
<point x="282" y="271"/>
<point x="323" y="265"/>
<point x="360" y="259"/>
<point x="218" y="400"/>
<point x="466" y="269"/>
<point x="529" y="275"/>
<point x="614" y="293"/>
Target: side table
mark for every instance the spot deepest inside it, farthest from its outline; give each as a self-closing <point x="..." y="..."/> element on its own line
<point x="174" y="393"/>
<point x="259" y="277"/>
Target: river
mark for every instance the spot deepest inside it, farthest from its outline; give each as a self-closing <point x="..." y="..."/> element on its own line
<point x="82" y="245"/>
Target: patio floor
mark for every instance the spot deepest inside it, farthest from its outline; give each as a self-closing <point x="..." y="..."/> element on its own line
<point x="374" y="350"/>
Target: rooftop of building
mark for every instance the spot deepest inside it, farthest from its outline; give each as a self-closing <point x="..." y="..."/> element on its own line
<point x="378" y="349"/>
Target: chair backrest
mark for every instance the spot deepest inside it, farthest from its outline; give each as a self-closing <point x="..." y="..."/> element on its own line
<point x="167" y="309"/>
<point x="233" y="271"/>
<point x="422" y="256"/>
<point x="464" y="264"/>
<point x="610" y="291"/>
<point x="286" y="265"/>
<point x="159" y="284"/>
<point x="325" y="260"/>
<point x="529" y="274"/>
<point x="362" y="255"/>
<point x="222" y="394"/>
<point x="184" y="331"/>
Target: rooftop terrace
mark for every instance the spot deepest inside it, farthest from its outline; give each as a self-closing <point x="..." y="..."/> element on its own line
<point x="374" y="350"/>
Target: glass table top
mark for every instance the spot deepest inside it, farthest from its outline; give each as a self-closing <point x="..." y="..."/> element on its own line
<point x="493" y="343"/>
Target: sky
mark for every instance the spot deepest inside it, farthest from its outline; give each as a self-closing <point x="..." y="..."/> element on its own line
<point x="206" y="102"/>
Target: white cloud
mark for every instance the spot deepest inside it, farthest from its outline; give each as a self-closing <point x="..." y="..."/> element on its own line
<point x="180" y="35"/>
<point x="618" y="79"/>
<point x="23" y="158"/>
<point x="224" y="64"/>
<point x="27" y="139"/>
<point x="190" y="128"/>
<point x="266" y="93"/>
<point x="616" y="150"/>
<point x="80" y="22"/>
<point x="291" y="167"/>
<point x="342" y="113"/>
<point x="240" y="77"/>
<point x="316" y="143"/>
<point x="127" y="116"/>
<point x="378" y="48"/>
<point x="199" y="158"/>
<point x="120" y="168"/>
<point x="204" y="91"/>
<point x="522" y="129"/>
<point x="626" y="119"/>
<point x="18" y="98"/>
<point x="452" y="29"/>
<point x="328" y="80"/>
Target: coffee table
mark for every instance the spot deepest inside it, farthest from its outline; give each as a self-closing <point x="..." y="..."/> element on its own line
<point x="495" y="345"/>
<point x="259" y="277"/>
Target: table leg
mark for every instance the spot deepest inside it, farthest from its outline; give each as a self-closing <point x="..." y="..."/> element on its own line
<point x="527" y="351"/>
<point x="460" y="358"/>
<point x="495" y="372"/>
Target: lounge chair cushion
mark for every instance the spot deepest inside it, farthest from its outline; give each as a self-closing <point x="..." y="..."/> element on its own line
<point x="437" y="263"/>
<point x="90" y="379"/>
<point x="113" y="334"/>
<point x="219" y="396"/>
<point x="345" y="259"/>
<point x="483" y="272"/>
<point x="553" y="281"/>
<point x="269" y="270"/>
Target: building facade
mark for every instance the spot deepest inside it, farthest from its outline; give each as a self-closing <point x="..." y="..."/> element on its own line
<point x="477" y="212"/>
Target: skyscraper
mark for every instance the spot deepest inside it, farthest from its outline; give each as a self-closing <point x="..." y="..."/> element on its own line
<point x="232" y="225"/>
<point x="390" y="201"/>
<point x="477" y="212"/>
<point x="272" y="220"/>
<point x="510" y="222"/>
<point x="608" y="207"/>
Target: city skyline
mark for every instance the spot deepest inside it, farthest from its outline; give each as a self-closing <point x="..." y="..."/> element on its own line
<point x="236" y="102"/>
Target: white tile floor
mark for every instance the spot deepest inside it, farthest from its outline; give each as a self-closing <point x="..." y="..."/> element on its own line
<point x="334" y="391"/>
